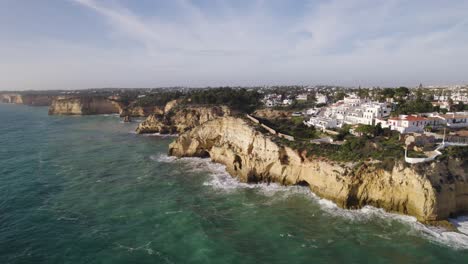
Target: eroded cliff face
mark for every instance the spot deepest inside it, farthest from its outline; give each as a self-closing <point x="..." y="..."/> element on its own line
<point x="269" y="113"/>
<point x="26" y="99"/>
<point x="139" y="111"/>
<point x="429" y="192"/>
<point x="181" y="119"/>
<point x="11" y="98"/>
<point x="83" y="106"/>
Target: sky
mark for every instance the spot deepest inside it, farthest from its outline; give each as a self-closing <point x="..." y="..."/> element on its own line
<point x="76" y="44"/>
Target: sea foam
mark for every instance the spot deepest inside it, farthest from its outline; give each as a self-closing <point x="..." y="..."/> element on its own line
<point x="221" y="180"/>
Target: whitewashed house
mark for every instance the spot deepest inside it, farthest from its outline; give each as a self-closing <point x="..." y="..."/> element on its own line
<point x="321" y="98"/>
<point x="413" y="123"/>
<point x="322" y="122"/>
<point x="301" y="97"/>
<point x="455" y="120"/>
<point x="312" y="111"/>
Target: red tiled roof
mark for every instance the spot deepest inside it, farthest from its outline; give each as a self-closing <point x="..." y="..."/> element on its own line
<point x="415" y="118"/>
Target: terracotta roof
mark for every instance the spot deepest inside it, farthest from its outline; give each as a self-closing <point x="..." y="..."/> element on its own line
<point x="415" y="118"/>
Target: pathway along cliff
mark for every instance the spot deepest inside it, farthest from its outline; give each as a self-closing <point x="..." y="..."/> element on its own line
<point x="430" y="192"/>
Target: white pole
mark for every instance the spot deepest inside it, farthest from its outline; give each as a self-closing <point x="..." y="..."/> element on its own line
<point x="443" y="140"/>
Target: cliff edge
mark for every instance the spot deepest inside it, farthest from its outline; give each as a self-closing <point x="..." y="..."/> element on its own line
<point x="181" y="118"/>
<point x="83" y="106"/>
<point x="430" y="192"/>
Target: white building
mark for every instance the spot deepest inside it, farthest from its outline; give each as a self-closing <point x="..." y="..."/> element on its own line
<point x="353" y="110"/>
<point x="455" y="120"/>
<point x="413" y="123"/>
<point x="272" y="100"/>
<point x="301" y="97"/>
<point x="321" y="98"/>
<point x="322" y="122"/>
<point x="353" y="100"/>
<point x="312" y="111"/>
<point x="270" y="103"/>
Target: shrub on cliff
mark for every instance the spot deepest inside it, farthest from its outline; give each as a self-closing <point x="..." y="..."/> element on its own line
<point x="455" y="152"/>
<point x="355" y="149"/>
<point x="158" y="99"/>
<point x="242" y="100"/>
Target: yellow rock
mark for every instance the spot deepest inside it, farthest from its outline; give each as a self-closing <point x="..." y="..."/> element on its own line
<point x="430" y="192"/>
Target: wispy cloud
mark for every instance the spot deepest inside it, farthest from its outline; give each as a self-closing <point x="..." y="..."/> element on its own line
<point x="351" y="42"/>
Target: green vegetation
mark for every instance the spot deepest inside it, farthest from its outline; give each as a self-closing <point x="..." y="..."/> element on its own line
<point x="399" y="94"/>
<point x="241" y="100"/>
<point x="293" y="127"/>
<point x="419" y="105"/>
<point x="369" y="130"/>
<point x="416" y="154"/>
<point x="459" y="107"/>
<point x="340" y="95"/>
<point x="128" y="97"/>
<point x="387" y="149"/>
<point x="158" y="99"/>
<point x="455" y="152"/>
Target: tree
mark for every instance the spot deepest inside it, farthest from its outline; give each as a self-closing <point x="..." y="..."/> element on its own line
<point x="401" y="92"/>
<point x="386" y="93"/>
<point x="370" y="130"/>
<point x="340" y="95"/>
<point x="343" y="132"/>
<point x="363" y="93"/>
<point x="450" y="103"/>
<point x="458" y="107"/>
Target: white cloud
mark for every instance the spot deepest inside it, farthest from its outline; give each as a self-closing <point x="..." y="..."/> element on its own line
<point x="368" y="42"/>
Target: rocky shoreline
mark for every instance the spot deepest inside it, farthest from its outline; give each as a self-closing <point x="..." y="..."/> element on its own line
<point x="431" y="192"/>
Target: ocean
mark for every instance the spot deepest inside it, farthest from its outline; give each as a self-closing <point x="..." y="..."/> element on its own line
<point x="89" y="190"/>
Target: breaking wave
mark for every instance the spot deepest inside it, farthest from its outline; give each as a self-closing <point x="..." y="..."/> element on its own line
<point x="221" y="180"/>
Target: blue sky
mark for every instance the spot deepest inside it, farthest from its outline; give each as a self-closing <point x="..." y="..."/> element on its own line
<point x="73" y="44"/>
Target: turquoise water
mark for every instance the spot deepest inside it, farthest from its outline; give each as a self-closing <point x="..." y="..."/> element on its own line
<point x="87" y="190"/>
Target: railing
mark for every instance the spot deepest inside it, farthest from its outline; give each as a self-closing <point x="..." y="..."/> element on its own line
<point x="421" y="160"/>
<point x="436" y="153"/>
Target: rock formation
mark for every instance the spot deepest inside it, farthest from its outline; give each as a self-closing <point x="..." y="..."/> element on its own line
<point x="181" y="119"/>
<point x="139" y="111"/>
<point x="11" y="98"/>
<point x="26" y="99"/>
<point x="83" y="106"/>
<point x="268" y="113"/>
<point x="430" y="192"/>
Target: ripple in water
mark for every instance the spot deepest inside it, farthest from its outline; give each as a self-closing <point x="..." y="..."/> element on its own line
<point x="221" y="180"/>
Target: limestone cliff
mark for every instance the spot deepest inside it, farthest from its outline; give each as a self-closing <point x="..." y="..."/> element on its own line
<point x="83" y="106"/>
<point x="181" y="119"/>
<point x="139" y="111"/>
<point x="429" y="192"/>
<point x="26" y="99"/>
<point x="269" y="113"/>
<point x="11" y="98"/>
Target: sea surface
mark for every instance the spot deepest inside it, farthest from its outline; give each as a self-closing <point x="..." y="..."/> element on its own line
<point x="89" y="190"/>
